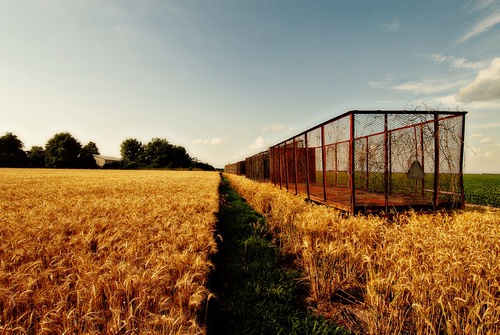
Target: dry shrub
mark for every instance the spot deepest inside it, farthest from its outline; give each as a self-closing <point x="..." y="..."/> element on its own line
<point x="419" y="274"/>
<point x="105" y="251"/>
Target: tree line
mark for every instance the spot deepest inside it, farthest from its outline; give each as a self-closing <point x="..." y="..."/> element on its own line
<point x="63" y="150"/>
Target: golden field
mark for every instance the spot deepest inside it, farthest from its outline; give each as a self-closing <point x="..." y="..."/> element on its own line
<point x="417" y="274"/>
<point x="105" y="252"/>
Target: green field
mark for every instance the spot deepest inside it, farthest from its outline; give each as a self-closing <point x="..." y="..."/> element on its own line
<point x="482" y="189"/>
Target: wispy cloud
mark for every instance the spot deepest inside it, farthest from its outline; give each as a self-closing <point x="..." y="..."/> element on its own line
<point x="488" y="125"/>
<point x="276" y="128"/>
<point x="461" y="63"/>
<point x="213" y="141"/>
<point x="426" y="86"/>
<point x="486" y="140"/>
<point x="391" y="26"/>
<point x="482" y="26"/>
<point x="273" y="128"/>
<point x="259" y="144"/>
<point x="485" y="87"/>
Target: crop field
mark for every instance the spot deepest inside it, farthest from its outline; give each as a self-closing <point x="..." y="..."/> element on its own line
<point x="482" y="189"/>
<point x="416" y="274"/>
<point x="113" y="252"/>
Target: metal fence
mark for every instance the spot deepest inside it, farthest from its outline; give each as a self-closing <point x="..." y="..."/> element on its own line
<point x="237" y="168"/>
<point x="257" y="167"/>
<point x="373" y="161"/>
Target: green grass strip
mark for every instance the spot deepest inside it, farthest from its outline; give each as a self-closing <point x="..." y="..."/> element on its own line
<point x="255" y="295"/>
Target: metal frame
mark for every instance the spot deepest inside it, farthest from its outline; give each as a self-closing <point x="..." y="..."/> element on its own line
<point x="280" y="161"/>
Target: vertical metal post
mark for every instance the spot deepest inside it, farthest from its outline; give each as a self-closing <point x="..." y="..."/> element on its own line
<point x="415" y="138"/>
<point x="306" y="151"/>
<point x="323" y="161"/>
<point x="336" y="168"/>
<point x="280" y="173"/>
<point x="461" y="172"/>
<point x="367" y="166"/>
<point x="286" y="168"/>
<point x="386" y="164"/>
<point x="436" y="160"/>
<point x="422" y="157"/>
<point x="295" y="166"/>
<point x="352" y="181"/>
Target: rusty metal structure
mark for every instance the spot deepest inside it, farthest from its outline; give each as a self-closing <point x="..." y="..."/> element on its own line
<point x="237" y="168"/>
<point x="257" y="167"/>
<point x="371" y="161"/>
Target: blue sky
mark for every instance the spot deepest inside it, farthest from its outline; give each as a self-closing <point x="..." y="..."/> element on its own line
<point x="226" y="79"/>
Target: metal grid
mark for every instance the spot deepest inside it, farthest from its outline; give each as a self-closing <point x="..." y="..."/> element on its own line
<point x="374" y="161"/>
<point x="237" y="168"/>
<point x="257" y="166"/>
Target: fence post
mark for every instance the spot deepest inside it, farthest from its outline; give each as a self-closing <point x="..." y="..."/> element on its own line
<point x="386" y="164"/>
<point x="323" y="161"/>
<point x="295" y="170"/>
<point x="422" y="157"/>
<point x="436" y="160"/>
<point x="352" y="181"/>
<point x="461" y="173"/>
<point x="306" y="144"/>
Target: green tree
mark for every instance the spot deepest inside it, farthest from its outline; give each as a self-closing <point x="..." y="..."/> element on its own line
<point x="62" y="151"/>
<point x="36" y="157"/>
<point x="180" y="158"/>
<point x="86" y="158"/>
<point x="11" y="151"/>
<point x="158" y="153"/>
<point x="132" y="151"/>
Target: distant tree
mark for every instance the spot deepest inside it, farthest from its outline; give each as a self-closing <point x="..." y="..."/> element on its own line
<point x="36" y="157"/>
<point x="86" y="158"/>
<point x="62" y="151"/>
<point x="196" y="165"/>
<point x="158" y="153"/>
<point x="132" y="151"/>
<point x="11" y="151"/>
<point x="180" y="158"/>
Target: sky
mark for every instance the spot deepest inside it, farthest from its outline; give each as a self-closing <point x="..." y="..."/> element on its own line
<point x="228" y="78"/>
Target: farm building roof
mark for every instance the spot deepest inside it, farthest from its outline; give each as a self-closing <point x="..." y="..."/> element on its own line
<point x="108" y="158"/>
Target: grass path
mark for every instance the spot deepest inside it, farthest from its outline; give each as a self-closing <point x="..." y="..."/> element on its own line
<point x="256" y="294"/>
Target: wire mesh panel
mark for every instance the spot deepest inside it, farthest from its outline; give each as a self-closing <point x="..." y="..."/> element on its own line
<point x="314" y="150"/>
<point x="257" y="167"/>
<point x="376" y="161"/>
<point x="237" y="168"/>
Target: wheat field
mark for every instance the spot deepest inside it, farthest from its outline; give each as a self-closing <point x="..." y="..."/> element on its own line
<point x="105" y="252"/>
<point x="415" y="274"/>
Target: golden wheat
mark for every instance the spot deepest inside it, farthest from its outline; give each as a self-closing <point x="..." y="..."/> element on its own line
<point x="418" y="274"/>
<point x="105" y="251"/>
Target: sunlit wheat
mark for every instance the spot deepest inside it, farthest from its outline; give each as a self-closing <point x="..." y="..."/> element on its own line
<point x="417" y="274"/>
<point x="105" y="251"/>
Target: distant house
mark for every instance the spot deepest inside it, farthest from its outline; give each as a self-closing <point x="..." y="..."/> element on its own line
<point x="106" y="160"/>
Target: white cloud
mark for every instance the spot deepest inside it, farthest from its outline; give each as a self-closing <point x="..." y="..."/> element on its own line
<point x="486" y="140"/>
<point x="273" y="128"/>
<point x="213" y="141"/>
<point x="217" y="141"/>
<point x="460" y="63"/>
<point x="485" y="87"/>
<point x="484" y="25"/>
<point x="426" y="86"/>
<point x="476" y="135"/>
<point x="276" y="128"/>
<point x="488" y="125"/>
<point x="390" y="26"/>
<point x="201" y="141"/>
<point x="259" y="144"/>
